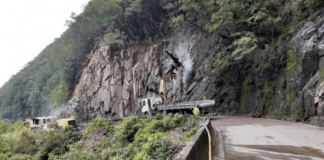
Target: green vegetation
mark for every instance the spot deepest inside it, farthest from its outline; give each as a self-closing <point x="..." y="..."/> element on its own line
<point x="158" y="146"/>
<point x="115" y="37"/>
<point x="134" y="138"/>
<point x="266" y="96"/>
<point x="244" y="95"/>
<point x="267" y="92"/>
<point x="19" y="142"/>
<point x="188" y="134"/>
<point x="321" y="72"/>
<point x="250" y="26"/>
<point x="254" y="32"/>
<point x="77" y="151"/>
<point x="291" y="61"/>
<point x="48" y="80"/>
<point x="97" y="126"/>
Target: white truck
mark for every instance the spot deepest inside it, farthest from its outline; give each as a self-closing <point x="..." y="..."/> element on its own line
<point x="147" y="105"/>
<point x="150" y="106"/>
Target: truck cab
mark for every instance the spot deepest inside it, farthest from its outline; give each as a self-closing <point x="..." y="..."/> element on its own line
<point x="148" y="104"/>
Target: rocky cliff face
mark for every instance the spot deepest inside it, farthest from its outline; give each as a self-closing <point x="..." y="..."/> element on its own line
<point x="288" y="90"/>
<point x="311" y="45"/>
<point x="298" y="83"/>
<point x="292" y="92"/>
<point x="113" y="82"/>
<point x="307" y="47"/>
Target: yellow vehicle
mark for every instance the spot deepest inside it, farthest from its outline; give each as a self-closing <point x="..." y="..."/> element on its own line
<point x="66" y="122"/>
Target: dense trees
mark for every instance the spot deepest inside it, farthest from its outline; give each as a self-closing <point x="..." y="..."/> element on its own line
<point x="48" y="80"/>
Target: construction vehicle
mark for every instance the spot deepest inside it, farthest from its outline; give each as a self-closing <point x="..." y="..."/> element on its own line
<point x="152" y="105"/>
<point x="40" y="122"/>
<point x="63" y="123"/>
<point x="177" y="63"/>
<point x="169" y="75"/>
<point x="46" y="122"/>
<point x="148" y="104"/>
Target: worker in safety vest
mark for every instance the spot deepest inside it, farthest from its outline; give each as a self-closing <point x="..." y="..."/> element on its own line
<point x="196" y="111"/>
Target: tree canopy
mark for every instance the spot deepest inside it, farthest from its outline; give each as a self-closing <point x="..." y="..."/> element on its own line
<point x="252" y="28"/>
<point x="48" y="80"/>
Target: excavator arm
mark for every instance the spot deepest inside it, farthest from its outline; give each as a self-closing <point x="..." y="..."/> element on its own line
<point x="169" y="75"/>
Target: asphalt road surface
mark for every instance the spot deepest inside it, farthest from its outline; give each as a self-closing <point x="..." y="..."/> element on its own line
<point x="241" y="138"/>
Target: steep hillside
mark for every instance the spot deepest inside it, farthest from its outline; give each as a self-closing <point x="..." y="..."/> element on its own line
<point x="114" y="81"/>
<point x="253" y="57"/>
<point x="48" y="81"/>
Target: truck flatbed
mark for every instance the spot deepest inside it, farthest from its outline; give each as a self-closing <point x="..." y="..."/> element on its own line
<point x="186" y="105"/>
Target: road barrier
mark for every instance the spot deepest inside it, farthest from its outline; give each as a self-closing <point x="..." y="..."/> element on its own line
<point x="198" y="146"/>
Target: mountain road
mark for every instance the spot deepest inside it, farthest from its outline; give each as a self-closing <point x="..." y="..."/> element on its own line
<point x="266" y="139"/>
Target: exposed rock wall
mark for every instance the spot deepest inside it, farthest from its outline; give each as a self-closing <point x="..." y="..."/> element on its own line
<point x="297" y="85"/>
<point x="319" y="100"/>
<point x="287" y="90"/>
<point x="113" y="82"/>
<point x="308" y="46"/>
<point x="292" y="92"/>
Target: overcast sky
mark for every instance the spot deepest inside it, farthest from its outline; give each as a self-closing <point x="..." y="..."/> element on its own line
<point x="27" y="26"/>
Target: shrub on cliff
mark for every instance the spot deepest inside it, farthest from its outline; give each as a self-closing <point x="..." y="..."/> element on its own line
<point x="6" y="126"/>
<point x="248" y="25"/>
<point x="125" y="131"/>
<point x="25" y="144"/>
<point x="188" y="134"/>
<point x="3" y="126"/>
<point x="97" y="126"/>
<point x="147" y="138"/>
<point x="19" y="142"/>
<point x="76" y="151"/>
<point x="48" y="80"/>
<point x="158" y="146"/>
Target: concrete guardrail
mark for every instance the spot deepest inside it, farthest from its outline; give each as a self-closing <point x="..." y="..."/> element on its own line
<point x="197" y="148"/>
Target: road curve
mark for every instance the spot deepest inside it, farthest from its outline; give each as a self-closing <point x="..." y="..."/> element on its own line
<point x="241" y="138"/>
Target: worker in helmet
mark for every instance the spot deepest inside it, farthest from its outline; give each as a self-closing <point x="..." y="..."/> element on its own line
<point x="196" y="111"/>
